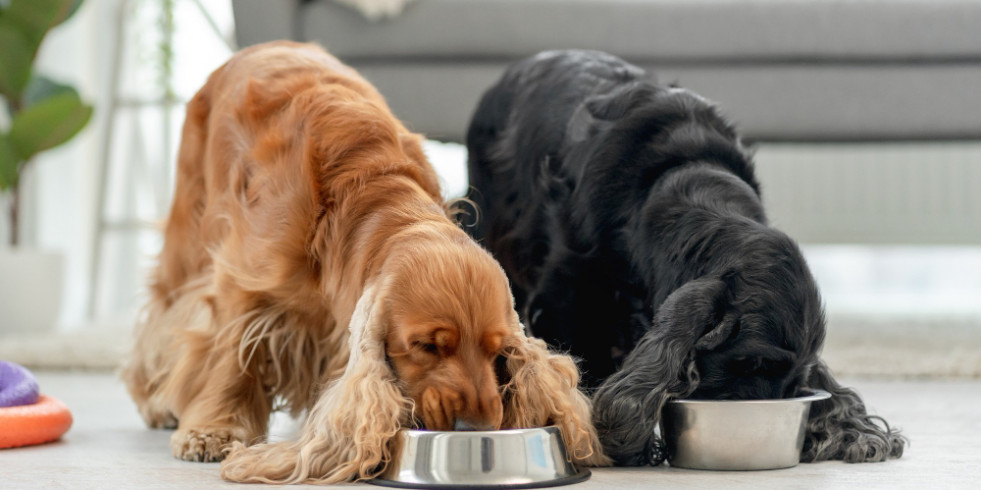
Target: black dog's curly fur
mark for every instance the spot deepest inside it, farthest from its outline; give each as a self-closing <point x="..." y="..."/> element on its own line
<point x="628" y="218"/>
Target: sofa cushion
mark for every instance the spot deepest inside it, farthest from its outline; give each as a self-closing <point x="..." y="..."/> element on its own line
<point x="692" y="30"/>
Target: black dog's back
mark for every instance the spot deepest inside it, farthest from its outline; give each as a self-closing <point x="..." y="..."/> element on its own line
<point x="561" y="115"/>
<point x="567" y="145"/>
<point x="516" y="142"/>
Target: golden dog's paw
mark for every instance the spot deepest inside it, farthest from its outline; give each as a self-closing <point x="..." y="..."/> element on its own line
<point x="205" y="445"/>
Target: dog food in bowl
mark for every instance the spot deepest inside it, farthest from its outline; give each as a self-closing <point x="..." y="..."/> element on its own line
<point x="736" y="434"/>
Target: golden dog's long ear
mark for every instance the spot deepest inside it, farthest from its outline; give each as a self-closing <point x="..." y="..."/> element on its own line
<point x="348" y="433"/>
<point x="543" y="389"/>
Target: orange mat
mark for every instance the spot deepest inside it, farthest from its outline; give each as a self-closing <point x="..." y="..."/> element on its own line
<point x="24" y="425"/>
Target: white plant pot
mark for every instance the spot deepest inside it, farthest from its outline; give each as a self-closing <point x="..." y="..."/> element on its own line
<point x="31" y="285"/>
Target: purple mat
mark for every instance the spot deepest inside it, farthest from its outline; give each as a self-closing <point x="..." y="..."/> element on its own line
<point x="17" y="385"/>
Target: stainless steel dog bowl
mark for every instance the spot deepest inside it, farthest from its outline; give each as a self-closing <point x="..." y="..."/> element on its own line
<point x="736" y="434"/>
<point x="518" y="458"/>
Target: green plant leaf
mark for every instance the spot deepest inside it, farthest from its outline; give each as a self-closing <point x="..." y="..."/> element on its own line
<point x="48" y="123"/>
<point x="8" y="164"/>
<point x="16" y="57"/>
<point x="41" y="87"/>
<point x="36" y="17"/>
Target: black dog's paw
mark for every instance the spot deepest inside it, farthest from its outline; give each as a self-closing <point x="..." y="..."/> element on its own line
<point x="658" y="453"/>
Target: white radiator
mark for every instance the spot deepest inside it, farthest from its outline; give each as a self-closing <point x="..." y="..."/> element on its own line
<point x="882" y="193"/>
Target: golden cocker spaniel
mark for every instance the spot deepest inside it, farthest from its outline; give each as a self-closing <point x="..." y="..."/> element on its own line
<point x="309" y="264"/>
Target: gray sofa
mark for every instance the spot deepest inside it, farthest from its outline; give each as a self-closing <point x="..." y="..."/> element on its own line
<point x="785" y="70"/>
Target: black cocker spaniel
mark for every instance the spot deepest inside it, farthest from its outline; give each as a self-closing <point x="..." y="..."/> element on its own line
<point x="629" y="220"/>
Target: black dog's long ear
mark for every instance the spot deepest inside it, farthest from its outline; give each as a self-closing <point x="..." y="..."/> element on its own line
<point x="840" y="428"/>
<point x="627" y="406"/>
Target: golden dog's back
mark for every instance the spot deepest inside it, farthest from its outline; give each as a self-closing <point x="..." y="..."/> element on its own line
<point x="278" y="119"/>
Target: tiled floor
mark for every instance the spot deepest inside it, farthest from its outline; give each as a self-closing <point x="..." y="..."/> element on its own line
<point x="108" y="447"/>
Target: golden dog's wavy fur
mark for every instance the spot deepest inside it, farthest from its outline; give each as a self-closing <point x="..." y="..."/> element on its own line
<point x="306" y="240"/>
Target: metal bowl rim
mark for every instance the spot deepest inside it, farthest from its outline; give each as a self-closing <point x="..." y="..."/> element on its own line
<point x="481" y="433"/>
<point x="813" y="397"/>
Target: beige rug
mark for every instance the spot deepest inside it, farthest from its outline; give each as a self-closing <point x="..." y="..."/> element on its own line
<point x="930" y="347"/>
<point x="99" y="348"/>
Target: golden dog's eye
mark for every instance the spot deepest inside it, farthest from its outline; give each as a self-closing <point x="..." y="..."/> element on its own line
<point x="430" y="348"/>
